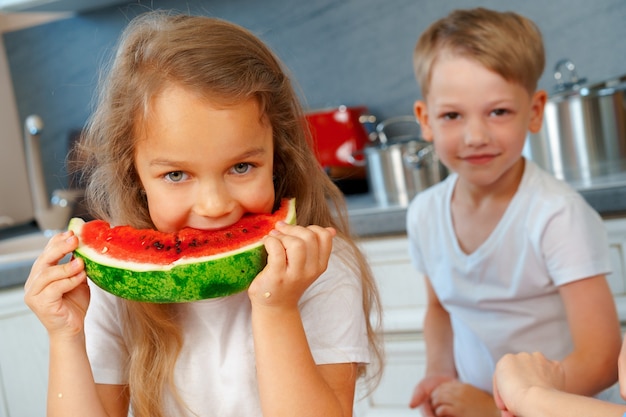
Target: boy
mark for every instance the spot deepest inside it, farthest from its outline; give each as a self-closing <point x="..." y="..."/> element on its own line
<point x="514" y="260"/>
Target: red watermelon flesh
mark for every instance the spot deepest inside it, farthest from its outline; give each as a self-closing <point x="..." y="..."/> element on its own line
<point x="154" y="247"/>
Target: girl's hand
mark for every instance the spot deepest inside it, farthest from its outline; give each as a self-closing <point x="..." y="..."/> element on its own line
<point x="516" y="374"/>
<point x="58" y="293"/>
<point x="296" y="257"/>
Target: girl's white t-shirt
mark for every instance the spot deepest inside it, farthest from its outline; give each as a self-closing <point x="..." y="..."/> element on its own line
<point x="215" y="372"/>
<point x="504" y="296"/>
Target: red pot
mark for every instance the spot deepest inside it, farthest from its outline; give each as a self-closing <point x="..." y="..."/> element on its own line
<point x="338" y="134"/>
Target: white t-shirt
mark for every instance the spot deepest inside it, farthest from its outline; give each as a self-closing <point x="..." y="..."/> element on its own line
<point x="215" y="373"/>
<point x="504" y="296"/>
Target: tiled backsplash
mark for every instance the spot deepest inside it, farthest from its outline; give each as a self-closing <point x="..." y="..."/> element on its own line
<point x="340" y="52"/>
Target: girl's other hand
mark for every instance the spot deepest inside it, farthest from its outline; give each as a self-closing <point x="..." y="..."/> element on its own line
<point x="58" y="293"/>
<point x="296" y="257"/>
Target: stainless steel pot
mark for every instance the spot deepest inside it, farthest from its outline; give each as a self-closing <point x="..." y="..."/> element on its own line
<point x="400" y="163"/>
<point x="584" y="130"/>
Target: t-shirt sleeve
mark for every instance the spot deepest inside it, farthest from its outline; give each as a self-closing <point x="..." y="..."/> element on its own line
<point x="105" y="347"/>
<point x="575" y="242"/>
<point x="332" y="314"/>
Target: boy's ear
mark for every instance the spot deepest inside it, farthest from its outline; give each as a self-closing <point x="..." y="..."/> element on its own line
<point x="421" y="113"/>
<point x="538" y="103"/>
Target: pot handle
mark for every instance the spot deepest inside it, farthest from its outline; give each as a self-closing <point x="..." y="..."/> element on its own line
<point x="368" y="121"/>
<point x="417" y="159"/>
<point x="409" y="122"/>
<point x="559" y="69"/>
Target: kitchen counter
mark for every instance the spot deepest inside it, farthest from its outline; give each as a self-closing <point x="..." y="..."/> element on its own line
<point x="368" y="218"/>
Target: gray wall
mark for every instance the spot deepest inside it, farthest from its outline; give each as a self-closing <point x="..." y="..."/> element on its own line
<point x="340" y="52"/>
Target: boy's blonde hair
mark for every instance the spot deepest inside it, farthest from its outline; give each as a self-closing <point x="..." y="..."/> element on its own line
<point x="225" y="64"/>
<point x="504" y="42"/>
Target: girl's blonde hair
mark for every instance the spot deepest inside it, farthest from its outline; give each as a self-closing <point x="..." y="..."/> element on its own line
<point x="504" y="42"/>
<point x="226" y="64"/>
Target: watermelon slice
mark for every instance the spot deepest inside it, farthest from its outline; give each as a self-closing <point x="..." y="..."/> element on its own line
<point x="152" y="266"/>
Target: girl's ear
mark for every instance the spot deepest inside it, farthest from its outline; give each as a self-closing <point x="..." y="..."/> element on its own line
<point x="421" y="113"/>
<point x="538" y="102"/>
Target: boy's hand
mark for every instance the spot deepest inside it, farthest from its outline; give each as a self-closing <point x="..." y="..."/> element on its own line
<point x="422" y="393"/>
<point x="456" y="399"/>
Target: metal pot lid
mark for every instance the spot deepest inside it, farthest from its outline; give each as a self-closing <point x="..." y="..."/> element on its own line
<point x="569" y="85"/>
<point x="398" y="129"/>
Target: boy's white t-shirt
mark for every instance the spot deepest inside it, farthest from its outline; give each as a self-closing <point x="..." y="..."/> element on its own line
<point x="215" y="373"/>
<point x="504" y="297"/>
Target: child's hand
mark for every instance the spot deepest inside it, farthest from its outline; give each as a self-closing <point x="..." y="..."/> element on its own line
<point x="515" y="374"/>
<point x="296" y="257"/>
<point x="58" y="293"/>
<point x="422" y="393"/>
<point x="456" y="399"/>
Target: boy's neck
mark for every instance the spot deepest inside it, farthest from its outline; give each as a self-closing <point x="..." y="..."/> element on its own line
<point x="476" y="211"/>
<point x="503" y="190"/>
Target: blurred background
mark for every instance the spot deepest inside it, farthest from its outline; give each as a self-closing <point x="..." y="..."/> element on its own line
<point x="350" y="52"/>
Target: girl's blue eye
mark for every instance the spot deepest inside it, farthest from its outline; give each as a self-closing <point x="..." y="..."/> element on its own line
<point x="175" y="176"/>
<point x="242" y="168"/>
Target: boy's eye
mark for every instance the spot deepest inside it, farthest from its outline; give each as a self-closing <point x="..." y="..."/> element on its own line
<point x="175" y="176"/>
<point x="499" y="112"/>
<point x="451" y="116"/>
<point x="242" y="168"/>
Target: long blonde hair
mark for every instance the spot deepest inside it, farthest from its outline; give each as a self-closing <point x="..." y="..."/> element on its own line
<point x="226" y="64"/>
<point x="505" y="42"/>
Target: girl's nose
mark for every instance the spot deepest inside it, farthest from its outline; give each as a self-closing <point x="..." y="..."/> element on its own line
<point x="213" y="201"/>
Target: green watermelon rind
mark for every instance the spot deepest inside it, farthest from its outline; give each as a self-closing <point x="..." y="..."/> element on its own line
<point x="183" y="281"/>
<point x="229" y="275"/>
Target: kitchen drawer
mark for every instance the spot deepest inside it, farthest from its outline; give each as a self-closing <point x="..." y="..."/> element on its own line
<point x="402" y="289"/>
<point x="405" y="367"/>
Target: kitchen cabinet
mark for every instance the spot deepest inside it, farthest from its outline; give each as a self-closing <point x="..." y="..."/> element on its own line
<point x="616" y="229"/>
<point x="403" y="297"/>
<point x="23" y="358"/>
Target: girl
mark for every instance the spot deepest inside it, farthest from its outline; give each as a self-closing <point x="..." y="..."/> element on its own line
<point x="196" y="125"/>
